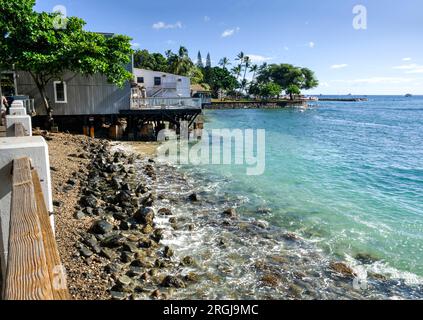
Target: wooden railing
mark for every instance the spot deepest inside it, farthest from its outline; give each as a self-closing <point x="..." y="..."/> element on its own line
<point x="34" y="270"/>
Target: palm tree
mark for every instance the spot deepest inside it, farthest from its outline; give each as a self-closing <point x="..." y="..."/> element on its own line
<point x="254" y="68"/>
<point x="179" y="63"/>
<point x="236" y="71"/>
<point x="240" y="57"/>
<point x="224" y="62"/>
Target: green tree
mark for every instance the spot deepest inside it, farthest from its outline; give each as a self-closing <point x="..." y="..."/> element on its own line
<point x="224" y="62"/>
<point x="179" y="63"/>
<point x="292" y="90"/>
<point x="200" y="63"/>
<point x="219" y="79"/>
<point x="196" y="75"/>
<point x="270" y="90"/>
<point x="150" y="61"/>
<point x="36" y="46"/>
<point x="208" y="61"/>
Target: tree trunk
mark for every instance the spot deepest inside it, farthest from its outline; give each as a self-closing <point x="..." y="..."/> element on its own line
<point x="291" y="96"/>
<point x="41" y="85"/>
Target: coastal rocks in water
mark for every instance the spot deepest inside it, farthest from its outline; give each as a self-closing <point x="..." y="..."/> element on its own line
<point x="230" y="213"/>
<point x="108" y="253"/>
<point x="261" y="224"/>
<point x="270" y="280"/>
<point x="365" y="258"/>
<point x="194" y="197"/>
<point x="291" y="236"/>
<point x="173" y="282"/>
<point x="101" y="227"/>
<point x="118" y="296"/>
<point x="124" y="280"/>
<point x="168" y="252"/>
<point x="165" y="212"/>
<point x="158" y="235"/>
<point x="188" y="261"/>
<point x="145" y="215"/>
<point x="342" y="269"/>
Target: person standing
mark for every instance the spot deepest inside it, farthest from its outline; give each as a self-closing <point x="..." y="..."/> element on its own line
<point x="3" y="110"/>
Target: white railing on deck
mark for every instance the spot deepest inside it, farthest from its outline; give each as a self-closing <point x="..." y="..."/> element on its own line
<point x="165" y="103"/>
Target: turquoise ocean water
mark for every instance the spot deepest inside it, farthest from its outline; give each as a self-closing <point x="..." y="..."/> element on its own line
<point x="345" y="176"/>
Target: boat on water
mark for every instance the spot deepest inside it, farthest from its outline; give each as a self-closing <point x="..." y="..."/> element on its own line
<point x="408" y="95"/>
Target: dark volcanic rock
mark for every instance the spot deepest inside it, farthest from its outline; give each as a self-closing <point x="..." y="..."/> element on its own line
<point x="88" y="201"/>
<point x="145" y="215"/>
<point x="194" y="197"/>
<point x="102" y="227"/>
<point x="230" y="213"/>
<point x="165" y="212"/>
<point x="173" y="282"/>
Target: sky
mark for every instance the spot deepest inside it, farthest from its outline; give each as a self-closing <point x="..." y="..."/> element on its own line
<point x="360" y="47"/>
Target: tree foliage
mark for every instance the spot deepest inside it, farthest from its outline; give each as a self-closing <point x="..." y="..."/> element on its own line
<point x="219" y="79"/>
<point x="31" y="42"/>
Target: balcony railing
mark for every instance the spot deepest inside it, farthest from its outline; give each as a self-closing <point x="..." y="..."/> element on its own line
<point x="165" y="103"/>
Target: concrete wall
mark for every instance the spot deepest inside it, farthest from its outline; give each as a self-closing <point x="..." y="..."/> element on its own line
<point x="12" y="148"/>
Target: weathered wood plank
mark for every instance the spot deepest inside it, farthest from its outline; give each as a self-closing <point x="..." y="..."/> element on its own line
<point x="19" y="130"/>
<point x="27" y="277"/>
<point x="55" y="268"/>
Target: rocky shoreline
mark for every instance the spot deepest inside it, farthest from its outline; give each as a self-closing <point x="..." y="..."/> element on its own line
<point x="130" y="228"/>
<point x="111" y="246"/>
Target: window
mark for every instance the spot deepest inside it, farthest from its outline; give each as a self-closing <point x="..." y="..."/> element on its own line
<point x="140" y="79"/>
<point x="60" y="92"/>
<point x="180" y="80"/>
<point x="157" y="81"/>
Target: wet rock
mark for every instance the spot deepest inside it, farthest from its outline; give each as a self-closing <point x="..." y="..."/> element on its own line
<point x="130" y="247"/>
<point x="270" y="280"/>
<point x="156" y="294"/>
<point x="165" y="212"/>
<point x="101" y="227"/>
<point x="148" y="229"/>
<point x="261" y="224"/>
<point x="173" y="282"/>
<point x="168" y="252"/>
<point x="194" y="197"/>
<point x="113" y="268"/>
<point x="188" y="261"/>
<point x="192" y="277"/>
<point x="158" y="235"/>
<point x="291" y="236"/>
<point x="230" y="213"/>
<point x="126" y="256"/>
<point x="342" y="269"/>
<point x="377" y="276"/>
<point x="148" y="201"/>
<point x="145" y="215"/>
<point x="365" y="258"/>
<point x="113" y="241"/>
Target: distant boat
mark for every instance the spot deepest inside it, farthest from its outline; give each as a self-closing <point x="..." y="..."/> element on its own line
<point x="408" y="95"/>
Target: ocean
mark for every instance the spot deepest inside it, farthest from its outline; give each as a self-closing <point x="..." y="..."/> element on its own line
<point x="346" y="177"/>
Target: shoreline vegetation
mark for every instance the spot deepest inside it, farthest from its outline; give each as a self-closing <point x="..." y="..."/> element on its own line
<point x="112" y="236"/>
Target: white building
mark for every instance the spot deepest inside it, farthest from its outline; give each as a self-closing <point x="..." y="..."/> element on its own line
<point x="162" y="85"/>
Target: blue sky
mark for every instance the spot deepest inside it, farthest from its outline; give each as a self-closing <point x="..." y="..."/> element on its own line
<point x="385" y="58"/>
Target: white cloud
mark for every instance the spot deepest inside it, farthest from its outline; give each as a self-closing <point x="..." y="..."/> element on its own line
<point x="230" y="32"/>
<point x="255" y="58"/>
<point x="207" y="18"/>
<point x="411" y="68"/>
<point x="135" y="44"/>
<point x="339" y="66"/>
<point x="162" y="25"/>
<point x="407" y="59"/>
<point x="311" y="44"/>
